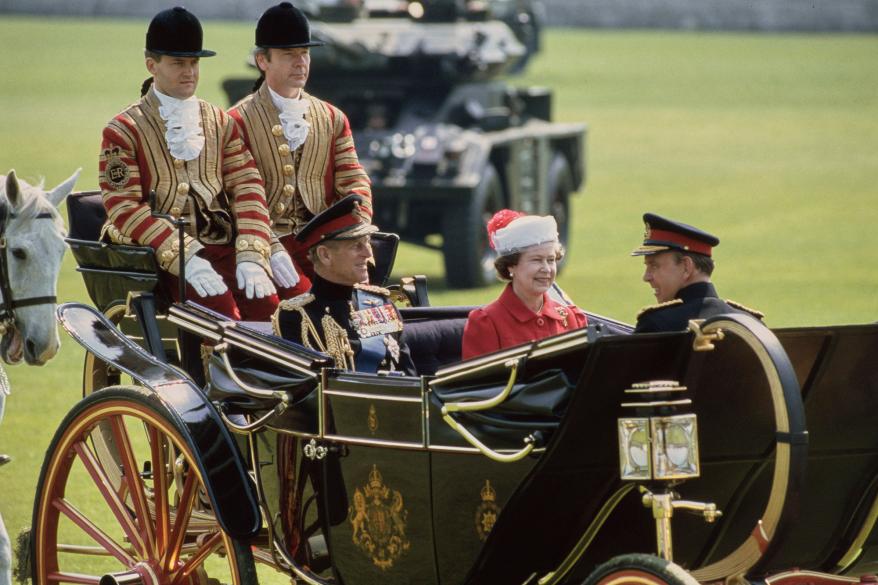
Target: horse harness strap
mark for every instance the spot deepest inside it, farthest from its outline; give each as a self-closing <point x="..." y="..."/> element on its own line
<point x="9" y="304"/>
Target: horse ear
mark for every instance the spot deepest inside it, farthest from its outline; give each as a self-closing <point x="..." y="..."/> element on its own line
<point x="57" y="195"/>
<point x="13" y="191"/>
<point x="11" y="187"/>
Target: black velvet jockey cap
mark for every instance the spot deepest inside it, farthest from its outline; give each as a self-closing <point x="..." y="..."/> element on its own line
<point x="284" y="27"/>
<point x="344" y="220"/>
<point x="176" y="32"/>
<point x="664" y="234"/>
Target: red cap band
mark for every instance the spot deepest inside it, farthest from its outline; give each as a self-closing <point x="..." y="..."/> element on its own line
<point x="688" y="244"/>
<point x="331" y="227"/>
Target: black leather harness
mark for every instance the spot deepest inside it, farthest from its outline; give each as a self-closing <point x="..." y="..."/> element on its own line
<point x="9" y="303"/>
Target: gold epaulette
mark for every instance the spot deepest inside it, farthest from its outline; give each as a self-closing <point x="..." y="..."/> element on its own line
<point x="371" y="288"/>
<point x="758" y="314"/>
<point x="292" y="304"/>
<point x="296" y="302"/>
<point x="650" y="308"/>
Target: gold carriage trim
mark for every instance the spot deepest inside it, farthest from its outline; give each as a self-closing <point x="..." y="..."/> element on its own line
<point x="378" y="519"/>
<point x="487" y="512"/>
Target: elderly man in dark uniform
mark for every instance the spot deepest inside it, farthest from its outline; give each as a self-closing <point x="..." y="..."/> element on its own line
<point x="342" y="315"/>
<point x="302" y="145"/>
<point x="679" y="264"/>
<point x="190" y="154"/>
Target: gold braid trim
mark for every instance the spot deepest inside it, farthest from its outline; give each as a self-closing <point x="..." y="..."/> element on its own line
<point x="337" y="343"/>
<point x="651" y="308"/>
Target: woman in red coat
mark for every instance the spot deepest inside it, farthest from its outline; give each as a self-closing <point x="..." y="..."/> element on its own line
<point x="528" y="253"/>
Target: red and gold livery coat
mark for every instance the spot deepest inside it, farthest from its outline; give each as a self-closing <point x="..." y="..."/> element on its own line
<point x="220" y="191"/>
<point x="302" y="183"/>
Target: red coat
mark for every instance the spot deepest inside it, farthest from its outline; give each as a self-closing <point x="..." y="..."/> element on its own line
<point x="507" y="322"/>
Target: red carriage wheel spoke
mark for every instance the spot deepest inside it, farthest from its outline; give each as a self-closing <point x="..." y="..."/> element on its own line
<point x="120" y="511"/>
<point x="131" y="475"/>
<point x="160" y="490"/>
<point x="99" y="536"/>
<point x="181" y="522"/>
<point x="67" y="577"/>
<point x="209" y="546"/>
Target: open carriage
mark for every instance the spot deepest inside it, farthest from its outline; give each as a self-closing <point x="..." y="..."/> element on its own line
<point x="569" y="460"/>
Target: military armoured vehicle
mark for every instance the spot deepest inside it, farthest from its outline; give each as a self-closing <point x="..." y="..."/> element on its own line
<point x="445" y="138"/>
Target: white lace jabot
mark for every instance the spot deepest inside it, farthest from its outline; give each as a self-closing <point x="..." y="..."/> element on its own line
<point x="183" y="131"/>
<point x="292" y="118"/>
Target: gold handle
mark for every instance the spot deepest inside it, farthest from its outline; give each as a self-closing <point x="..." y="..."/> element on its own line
<point x="251" y="390"/>
<point x="450" y="407"/>
<point x="490" y="402"/>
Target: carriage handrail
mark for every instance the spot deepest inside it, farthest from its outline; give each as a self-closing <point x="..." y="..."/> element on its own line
<point x="472" y="406"/>
<point x="449" y="407"/>
<point x="222" y="350"/>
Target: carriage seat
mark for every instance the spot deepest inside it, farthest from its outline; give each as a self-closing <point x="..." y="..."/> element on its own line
<point x="434" y="336"/>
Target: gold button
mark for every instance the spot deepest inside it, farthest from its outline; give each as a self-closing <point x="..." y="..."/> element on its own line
<point x="183" y="188"/>
<point x="179" y="163"/>
<point x="242" y="245"/>
<point x="167" y="255"/>
<point x="277" y="130"/>
<point x="284" y="149"/>
<point x="288" y="190"/>
<point x="175" y="210"/>
<point x="280" y="207"/>
<point x="288" y="170"/>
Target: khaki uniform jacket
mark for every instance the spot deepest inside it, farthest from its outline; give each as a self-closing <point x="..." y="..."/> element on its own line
<point x="220" y="191"/>
<point x="301" y="184"/>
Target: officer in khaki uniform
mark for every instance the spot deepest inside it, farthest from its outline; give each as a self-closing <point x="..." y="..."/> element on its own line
<point x="342" y="315"/>
<point x="679" y="264"/>
<point x="190" y="154"/>
<point x="302" y="145"/>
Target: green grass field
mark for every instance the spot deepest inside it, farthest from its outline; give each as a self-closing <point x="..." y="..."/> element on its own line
<point x="769" y="141"/>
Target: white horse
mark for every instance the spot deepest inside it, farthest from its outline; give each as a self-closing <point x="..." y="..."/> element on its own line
<point x="31" y="249"/>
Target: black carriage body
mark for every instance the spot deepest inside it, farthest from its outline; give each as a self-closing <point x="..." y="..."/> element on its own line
<point x="400" y="496"/>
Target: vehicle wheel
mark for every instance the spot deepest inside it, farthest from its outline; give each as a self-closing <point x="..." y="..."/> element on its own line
<point x="639" y="569"/>
<point x="560" y="186"/>
<point x="469" y="260"/>
<point x="141" y="528"/>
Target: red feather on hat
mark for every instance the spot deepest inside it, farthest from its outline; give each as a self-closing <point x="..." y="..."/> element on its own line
<point x="500" y="220"/>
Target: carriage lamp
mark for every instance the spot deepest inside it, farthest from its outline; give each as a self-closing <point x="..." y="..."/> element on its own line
<point x="661" y="445"/>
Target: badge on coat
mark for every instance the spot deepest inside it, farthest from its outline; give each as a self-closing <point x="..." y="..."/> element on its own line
<point x="116" y="172"/>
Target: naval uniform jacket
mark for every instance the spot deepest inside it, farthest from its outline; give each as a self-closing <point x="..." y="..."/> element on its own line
<point x="302" y="183"/>
<point x="220" y="191"/>
<point x="339" y="302"/>
<point x="696" y="301"/>
<point x="508" y="321"/>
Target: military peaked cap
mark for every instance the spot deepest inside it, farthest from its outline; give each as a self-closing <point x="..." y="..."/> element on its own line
<point x="664" y="234"/>
<point x="176" y="32"/>
<point x="345" y="220"/>
<point x="284" y="27"/>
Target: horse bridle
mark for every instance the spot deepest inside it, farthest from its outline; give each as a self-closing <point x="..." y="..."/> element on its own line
<point x="9" y="304"/>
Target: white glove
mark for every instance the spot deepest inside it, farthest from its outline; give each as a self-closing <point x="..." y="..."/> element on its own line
<point x="284" y="272"/>
<point x="203" y="278"/>
<point x="253" y="280"/>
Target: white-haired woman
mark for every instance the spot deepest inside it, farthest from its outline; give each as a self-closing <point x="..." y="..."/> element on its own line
<point x="528" y="253"/>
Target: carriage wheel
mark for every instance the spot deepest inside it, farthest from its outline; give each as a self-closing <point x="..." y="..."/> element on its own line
<point x="140" y="530"/>
<point x="639" y="569"/>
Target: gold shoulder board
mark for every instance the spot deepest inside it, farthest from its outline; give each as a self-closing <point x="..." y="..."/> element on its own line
<point x="758" y="314"/>
<point x="650" y="308"/>
<point x="371" y="288"/>
<point x="296" y="302"/>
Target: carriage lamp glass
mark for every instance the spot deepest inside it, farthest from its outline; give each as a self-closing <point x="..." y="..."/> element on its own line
<point x="675" y="447"/>
<point x="634" y="448"/>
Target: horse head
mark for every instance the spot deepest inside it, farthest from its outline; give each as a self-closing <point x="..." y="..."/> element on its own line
<point x="33" y="247"/>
